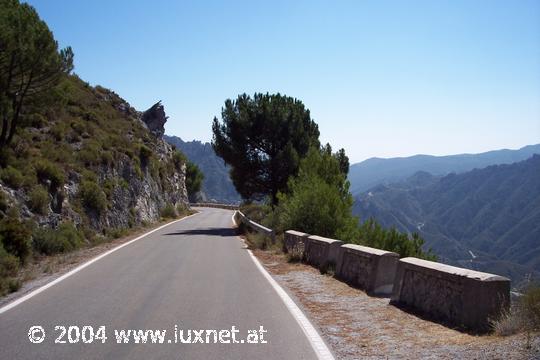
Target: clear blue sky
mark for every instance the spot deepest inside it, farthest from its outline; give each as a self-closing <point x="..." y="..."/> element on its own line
<point x="381" y="78"/>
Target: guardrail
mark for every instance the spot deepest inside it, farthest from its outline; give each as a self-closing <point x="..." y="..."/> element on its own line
<point x="214" y="205"/>
<point x="460" y="297"/>
<point x="256" y="227"/>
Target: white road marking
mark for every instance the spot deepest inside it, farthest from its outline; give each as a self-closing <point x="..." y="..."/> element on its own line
<point x="80" y="267"/>
<point x="317" y="343"/>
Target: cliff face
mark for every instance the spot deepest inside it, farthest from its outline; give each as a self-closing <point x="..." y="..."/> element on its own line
<point x="93" y="161"/>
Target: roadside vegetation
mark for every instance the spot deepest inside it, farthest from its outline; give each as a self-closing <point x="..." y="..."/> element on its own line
<point x="523" y="315"/>
<point x="290" y="181"/>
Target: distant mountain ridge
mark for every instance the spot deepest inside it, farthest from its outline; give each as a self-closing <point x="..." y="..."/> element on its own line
<point x="217" y="185"/>
<point x="487" y="219"/>
<point x="374" y="171"/>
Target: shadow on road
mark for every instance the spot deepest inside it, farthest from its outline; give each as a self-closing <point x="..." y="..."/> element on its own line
<point x="209" y="231"/>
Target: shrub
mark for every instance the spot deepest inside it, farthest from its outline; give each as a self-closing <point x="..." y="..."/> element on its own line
<point x="90" y="154"/>
<point x="168" y="212"/>
<point x="39" y="200"/>
<point x="530" y="305"/>
<point x="58" y="131"/>
<point x="144" y="154"/>
<point x="179" y="159"/>
<point x="16" y="237"/>
<point x="52" y="241"/>
<point x="92" y="196"/>
<point x="9" y="266"/>
<point x="257" y="240"/>
<point x="316" y="207"/>
<point x="509" y="323"/>
<point x="12" y="177"/>
<point x="374" y="235"/>
<point x="194" y="179"/>
<point x="115" y="233"/>
<point x="318" y="201"/>
<point x="181" y="209"/>
<point x="3" y="202"/>
<point x="37" y="120"/>
<point x="523" y="316"/>
<point x="47" y="171"/>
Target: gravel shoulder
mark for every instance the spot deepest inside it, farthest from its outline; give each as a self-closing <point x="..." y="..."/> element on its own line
<point x="356" y="325"/>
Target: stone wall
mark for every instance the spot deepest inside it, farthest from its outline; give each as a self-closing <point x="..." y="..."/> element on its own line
<point x="294" y="243"/>
<point x="460" y="297"/>
<point x="239" y="216"/>
<point x="322" y="252"/>
<point x="367" y="268"/>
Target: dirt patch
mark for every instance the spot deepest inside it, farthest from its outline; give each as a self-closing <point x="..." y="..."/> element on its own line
<point x="44" y="269"/>
<point x="356" y="325"/>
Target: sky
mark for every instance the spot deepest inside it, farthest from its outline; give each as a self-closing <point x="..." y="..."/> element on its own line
<point x="381" y="78"/>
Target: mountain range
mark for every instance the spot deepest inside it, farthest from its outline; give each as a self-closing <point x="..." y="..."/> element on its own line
<point x="371" y="172"/>
<point x="217" y="185"/>
<point x="486" y="219"/>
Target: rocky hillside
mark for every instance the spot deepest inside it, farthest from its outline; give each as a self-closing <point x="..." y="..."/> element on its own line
<point x="84" y="168"/>
<point x="217" y="185"/>
<point x="487" y="219"/>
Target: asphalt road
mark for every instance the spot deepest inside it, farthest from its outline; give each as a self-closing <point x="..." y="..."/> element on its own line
<point x="193" y="274"/>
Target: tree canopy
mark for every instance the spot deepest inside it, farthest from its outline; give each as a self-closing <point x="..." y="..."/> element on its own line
<point x="194" y="179"/>
<point x="30" y="62"/>
<point x="318" y="200"/>
<point x="263" y="139"/>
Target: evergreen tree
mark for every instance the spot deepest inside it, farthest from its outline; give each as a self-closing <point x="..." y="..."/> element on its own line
<point x="263" y="139"/>
<point x="30" y="62"/>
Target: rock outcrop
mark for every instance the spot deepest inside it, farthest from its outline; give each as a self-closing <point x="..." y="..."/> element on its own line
<point x="154" y="119"/>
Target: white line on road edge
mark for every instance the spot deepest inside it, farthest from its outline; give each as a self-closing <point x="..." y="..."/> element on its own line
<point x="317" y="343"/>
<point x="80" y="267"/>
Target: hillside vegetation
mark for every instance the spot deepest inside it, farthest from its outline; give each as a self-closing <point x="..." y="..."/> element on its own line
<point x="487" y="219"/>
<point x="82" y="169"/>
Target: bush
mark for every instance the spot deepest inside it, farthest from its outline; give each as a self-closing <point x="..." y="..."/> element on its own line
<point x="144" y="154"/>
<point x="530" y="305"/>
<point x="52" y="241"/>
<point x="39" y="200"/>
<point x="90" y="154"/>
<point x="182" y="209"/>
<point x="49" y="172"/>
<point x="523" y="316"/>
<point x="12" y="177"/>
<point x="3" y="202"/>
<point x="92" y="197"/>
<point x="9" y="266"/>
<point x="168" y="212"/>
<point x="316" y="207"/>
<point x="194" y="179"/>
<point x="16" y="237"/>
<point x="318" y="201"/>
<point x="372" y="234"/>
<point x="179" y="159"/>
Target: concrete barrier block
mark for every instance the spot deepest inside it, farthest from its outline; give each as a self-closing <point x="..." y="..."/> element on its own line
<point x="370" y="269"/>
<point x="322" y="252"/>
<point x="294" y="242"/>
<point x="464" y="298"/>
